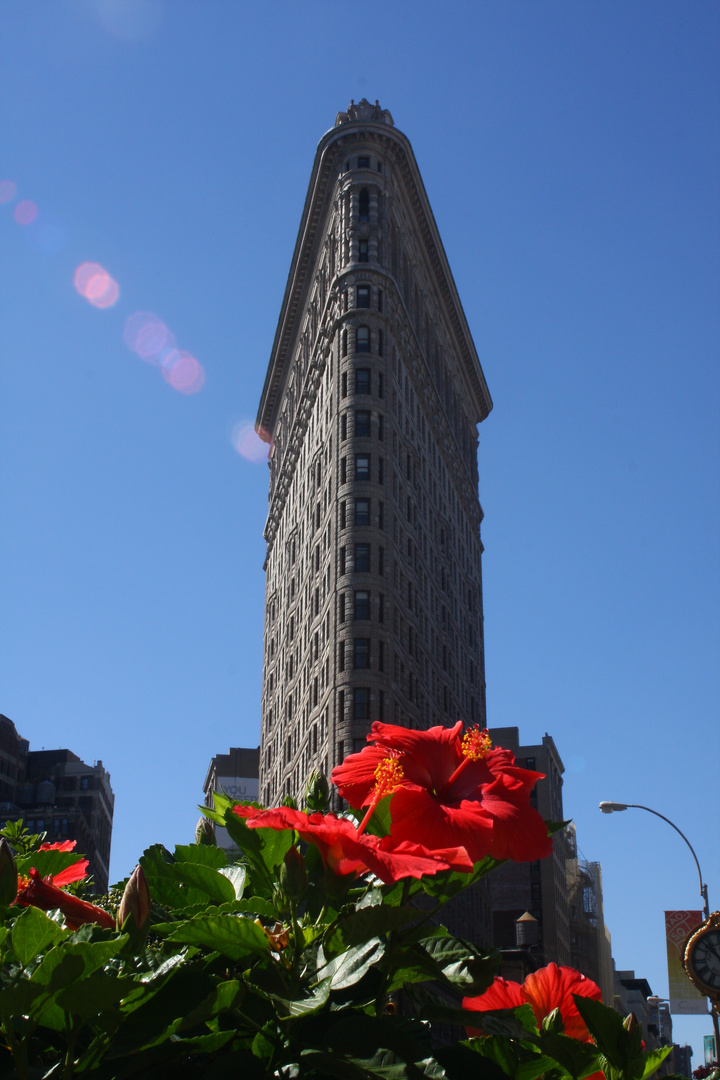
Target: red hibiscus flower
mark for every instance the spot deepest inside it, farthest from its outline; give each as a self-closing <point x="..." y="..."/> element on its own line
<point x="451" y="791"/>
<point x="346" y="849"/>
<point x="43" y="893"/>
<point x="551" y="987"/>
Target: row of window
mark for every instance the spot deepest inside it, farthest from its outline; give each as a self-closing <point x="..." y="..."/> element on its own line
<point x="363" y="162"/>
<point x="363" y="294"/>
<point x="362" y="605"/>
<point x="363" y="382"/>
<point x="362" y="559"/>
<point x="362" y="468"/>
<point x="361" y="649"/>
<point x="362" y="511"/>
<point x="360" y="706"/>
<point x="363" y="341"/>
<point x="362" y="426"/>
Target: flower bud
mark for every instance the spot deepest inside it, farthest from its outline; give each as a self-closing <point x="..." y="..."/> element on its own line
<point x="205" y="832"/>
<point x="293" y="876"/>
<point x="317" y="792"/>
<point x="8" y="874"/>
<point x="632" y="1026"/>
<point x="135" y="904"/>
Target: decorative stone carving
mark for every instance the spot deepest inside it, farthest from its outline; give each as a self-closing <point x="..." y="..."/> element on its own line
<point x="364" y="111"/>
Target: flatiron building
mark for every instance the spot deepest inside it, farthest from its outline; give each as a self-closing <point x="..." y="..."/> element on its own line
<point x="373" y="394"/>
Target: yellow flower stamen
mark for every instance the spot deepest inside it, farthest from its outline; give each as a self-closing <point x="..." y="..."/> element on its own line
<point x="476" y="744"/>
<point x="388" y="775"/>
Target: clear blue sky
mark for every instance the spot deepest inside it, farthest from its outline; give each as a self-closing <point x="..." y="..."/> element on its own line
<point x="570" y="151"/>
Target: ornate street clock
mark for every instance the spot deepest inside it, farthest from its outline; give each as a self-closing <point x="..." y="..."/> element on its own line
<point x="701" y="958"/>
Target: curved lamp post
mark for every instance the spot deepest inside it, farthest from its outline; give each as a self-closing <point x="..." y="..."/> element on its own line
<point x="610" y="808"/>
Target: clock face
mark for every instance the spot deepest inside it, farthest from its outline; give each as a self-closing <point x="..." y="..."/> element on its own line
<point x="704" y="956"/>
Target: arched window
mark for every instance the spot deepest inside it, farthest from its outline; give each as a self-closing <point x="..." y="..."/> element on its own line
<point x="364" y="205"/>
<point x="363" y="339"/>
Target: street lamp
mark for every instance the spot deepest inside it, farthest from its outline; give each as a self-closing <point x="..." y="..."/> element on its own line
<point x="610" y="808"/>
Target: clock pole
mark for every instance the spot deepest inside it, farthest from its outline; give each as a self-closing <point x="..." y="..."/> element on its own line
<point x="610" y="808"/>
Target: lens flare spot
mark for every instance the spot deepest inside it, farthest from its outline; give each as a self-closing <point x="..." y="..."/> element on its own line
<point x="94" y="283"/>
<point x="148" y="336"/>
<point x="248" y="443"/>
<point x="8" y="190"/>
<point x="25" y="212"/>
<point x="182" y="371"/>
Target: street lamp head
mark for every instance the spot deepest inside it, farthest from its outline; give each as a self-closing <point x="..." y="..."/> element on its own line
<point x="609" y="807"/>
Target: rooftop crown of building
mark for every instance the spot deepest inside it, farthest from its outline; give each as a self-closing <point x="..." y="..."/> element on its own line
<point x="364" y="111"/>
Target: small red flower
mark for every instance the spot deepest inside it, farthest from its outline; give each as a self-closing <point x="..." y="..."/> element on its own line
<point x="44" y="894"/>
<point x="450" y="790"/>
<point x="347" y="850"/>
<point x="551" y="987"/>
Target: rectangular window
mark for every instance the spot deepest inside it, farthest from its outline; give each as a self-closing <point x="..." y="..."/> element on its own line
<point x="380" y="300"/>
<point x="341" y="656"/>
<point x="341" y="607"/>
<point x="315" y="692"/>
<point x="362" y="423"/>
<point x="381" y="705"/>
<point x="343" y="426"/>
<point x="380" y="384"/>
<point x="363" y="163"/>
<point x="381" y="655"/>
<point x="362" y="380"/>
<point x="362" y="558"/>
<point x="381" y="471"/>
<point x="363" y="251"/>
<point x="362" y="511"/>
<point x="381" y="561"/>
<point x="381" y="516"/>
<point x="362" y="605"/>
<point x="342" y="560"/>
<point x="361" y="703"/>
<point x="343" y="470"/>
<point x="362" y="340"/>
<point x="341" y="716"/>
<point x="381" y="427"/>
<point x="343" y="384"/>
<point x="363" y="296"/>
<point x="381" y="607"/>
<point x="344" y="342"/>
<point x="362" y="467"/>
<point x="380" y="342"/>
<point x="361" y="653"/>
<point x="342" y="515"/>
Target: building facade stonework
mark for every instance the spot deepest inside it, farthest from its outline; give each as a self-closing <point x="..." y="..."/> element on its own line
<point x="370" y="405"/>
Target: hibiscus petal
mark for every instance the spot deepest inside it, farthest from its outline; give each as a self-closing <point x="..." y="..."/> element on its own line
<point x="432" y="755"/>
<point x="76" y="872"/>
<point x="501" y="995"/>
<point x="553" y="987"/>
<point x="418" y="816"/>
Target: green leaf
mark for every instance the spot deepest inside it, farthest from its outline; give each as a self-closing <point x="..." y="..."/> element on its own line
<point x="233" y="936"/>
<point x="576" y="1058"/>
<point x="33" y="933"/>
<point x="46" y="862"/>
<point x="237" y="875"/>
<point x="368" y="922"/>
<point x="349" y="967"/>
<point x="518" y="1023"/>
<point x="460" y="963"/>
<point x="89" y="997"/>
<point x="267" y="985"/>
<point x="204" y="854"/>
<point x="73" y="960"/>
<point x="653" y="1059"/>
<point x="606" y="1027"/>
<point x="182" y="884"/>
